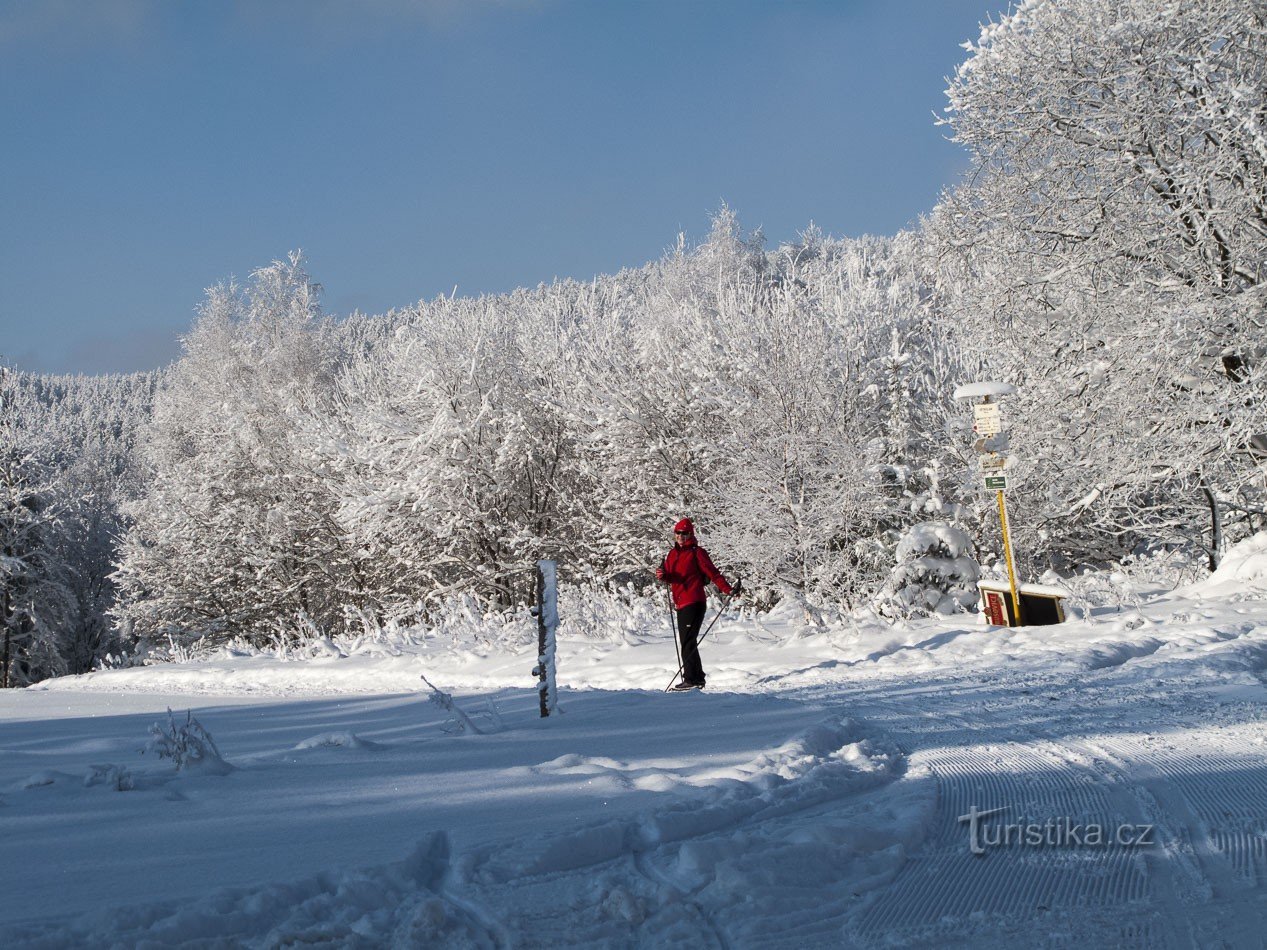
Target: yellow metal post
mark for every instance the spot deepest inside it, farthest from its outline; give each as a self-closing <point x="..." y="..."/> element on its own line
<point x="1011" y="568"/>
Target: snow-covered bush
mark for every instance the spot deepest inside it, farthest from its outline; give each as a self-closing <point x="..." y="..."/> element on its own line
<point x="934" y="574"/>
<point x="116" y="777"/>
<point x="598" y="612"/>
<point x="1092" y="589"/>
<point x="1245" y="565"/>
<point x="459" y="723"/>
<point x="187" y="744"/>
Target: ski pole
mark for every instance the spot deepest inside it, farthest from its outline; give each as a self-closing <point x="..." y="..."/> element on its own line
<point x="668" y="593"/>
<point x="717" y="616"/>
<point x="677" y="647"/>
<point x="725" y="603"/>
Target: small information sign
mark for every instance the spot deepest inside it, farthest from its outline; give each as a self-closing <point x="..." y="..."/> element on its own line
<point x="996" y="482"/>
<point x="986" y="420"/>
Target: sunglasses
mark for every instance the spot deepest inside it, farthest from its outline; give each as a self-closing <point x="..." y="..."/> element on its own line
<point x="681" y="532"/>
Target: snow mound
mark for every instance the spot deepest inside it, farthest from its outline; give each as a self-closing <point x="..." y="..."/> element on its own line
<point x="1243" y="570"/>
<point x="109" y="775"/>
<point x="115" y="777"/>
<point x="397" y="905"/>
<point x="828" y="761"/>
<point x="1245" y="563"/>
<point x="338" y="740"/>
<point x="44" y="778"/>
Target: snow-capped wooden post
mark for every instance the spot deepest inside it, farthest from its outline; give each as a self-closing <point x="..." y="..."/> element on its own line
<point x="547" y="622"/>
<point x="992" y="444"/>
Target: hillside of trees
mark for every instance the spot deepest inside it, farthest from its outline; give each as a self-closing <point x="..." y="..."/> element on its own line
<point x="1106" y="253"/>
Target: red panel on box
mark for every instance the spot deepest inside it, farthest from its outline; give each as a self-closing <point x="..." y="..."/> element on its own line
<point x="995" y="611"/>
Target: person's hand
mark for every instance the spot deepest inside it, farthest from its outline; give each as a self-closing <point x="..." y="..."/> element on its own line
<point x="734" y="591"/>
<point x="659" y="573"/>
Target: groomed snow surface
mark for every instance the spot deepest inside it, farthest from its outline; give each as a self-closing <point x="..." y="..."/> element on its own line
<point x="812" y="796"/>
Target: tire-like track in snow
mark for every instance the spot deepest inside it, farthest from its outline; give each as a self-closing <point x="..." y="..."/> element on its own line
<point x="1044" y="750"/>
<point x="1047" y="750"/>
<point x="950" y="883"/>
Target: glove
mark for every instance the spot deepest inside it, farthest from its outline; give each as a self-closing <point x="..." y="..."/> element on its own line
<point x="734" y="591"/>
<point x="659" y="573"/>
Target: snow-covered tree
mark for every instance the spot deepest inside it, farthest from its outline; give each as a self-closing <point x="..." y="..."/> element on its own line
<point x="93" y="424"/>
<point x="36" y="601"/>
<point x="1106" y="254"/>
<point x="453" y="452"/>
<point x="660" y="393"/>
<point x="1119" y="132"/>
<point x="236" y="533"/>
<point x="69" y="445"/>
<point x="935" y="572"/>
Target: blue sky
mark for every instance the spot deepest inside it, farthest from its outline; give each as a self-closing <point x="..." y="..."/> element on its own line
<point x="152" y="149"/>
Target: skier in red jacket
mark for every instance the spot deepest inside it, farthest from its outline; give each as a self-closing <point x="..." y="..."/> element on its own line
<point x="688" y="568"/>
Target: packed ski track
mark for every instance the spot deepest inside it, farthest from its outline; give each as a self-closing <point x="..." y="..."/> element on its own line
<point x="818" y="793"/>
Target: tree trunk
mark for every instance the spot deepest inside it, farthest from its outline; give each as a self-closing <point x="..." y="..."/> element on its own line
<point x="1216" y="526"/>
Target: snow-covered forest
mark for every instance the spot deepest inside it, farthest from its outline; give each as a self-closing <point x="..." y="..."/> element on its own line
<point x="68" y="464"/>
<point x="295" y="567"/>
<point x="1106" y="253"/>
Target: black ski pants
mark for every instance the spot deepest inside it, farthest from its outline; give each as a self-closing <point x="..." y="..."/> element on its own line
<point x="689" y="620"/>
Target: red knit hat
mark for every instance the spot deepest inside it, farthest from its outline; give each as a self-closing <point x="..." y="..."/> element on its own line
<point x="685" y="525"/>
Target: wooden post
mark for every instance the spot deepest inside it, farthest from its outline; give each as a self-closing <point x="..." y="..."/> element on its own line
<point x="547" y="623"/>
<point x="987" y="425"/>
<point x="1011" y="566"/>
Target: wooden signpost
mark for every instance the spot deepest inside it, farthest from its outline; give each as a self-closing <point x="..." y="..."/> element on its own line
<point x="547" y="611"/>
<point x="987" y="425"/>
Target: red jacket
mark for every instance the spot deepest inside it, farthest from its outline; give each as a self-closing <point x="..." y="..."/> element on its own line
<point x="688" y="568"/>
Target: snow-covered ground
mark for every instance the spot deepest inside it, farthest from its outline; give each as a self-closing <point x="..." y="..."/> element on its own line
<point x="811" y="797"/>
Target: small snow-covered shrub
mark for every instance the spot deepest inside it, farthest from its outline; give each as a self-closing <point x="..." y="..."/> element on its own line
<point x="1094" y="590"/>
<point x="337" y="740"/>
<point x="116" y="777"/>
<point x="596" y="612"/>
<point x="187" y="744"/>
<point x="459" y="722"/>
<point x="464" y="619"/>
<point x="125" y="658"/>
<point x="1126" y="585"/>
<point x="934" y="573"/>
<point x="1161" y="567"/>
